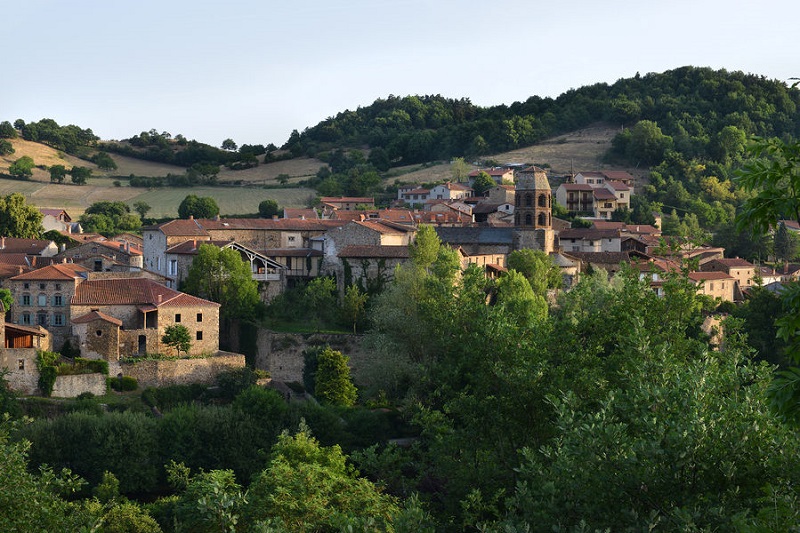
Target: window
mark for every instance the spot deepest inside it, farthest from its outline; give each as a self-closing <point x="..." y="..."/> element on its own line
<point x="291" y="238"/>
<point x="177" y="317"/>
<point x="26" y="285"/>
<point x="21" y="364"/>
<point x="173" y="267"/>
<point x="25" y="319"/>
<point x="42" y="286"/>
<point x="41" y="319"/>
<point x="199" y="317"/>
<point x="199" y="335"/>
<point x="158" y="264"/>
<point x="58" y="300"/>
<point x="58" y="319"/>
<point x="58" y="286"/>
<point x="26" y="299"/>
<point x="41" y="301"/>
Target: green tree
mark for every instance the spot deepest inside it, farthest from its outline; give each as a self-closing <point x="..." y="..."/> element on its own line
<point x="320" y="299"/>
<point x="222" y="276"/>
<point x="109" y="218"/>
<point x="142" y="208"/>
<point x="312" y="488"/>
<point x="353" y="305"/>
<point x="22" y="168"/>
<point x="177" y="336"/>
<point x="333" y="384"/>
<point x="104" y="161"/>
<point x="18" y="219"/>
<point x="198" y="207"/>
<point x="229" y="145"/>
<point x="483" y="182"/>
<point x="80" y="175"/>
<point x="7" y="131"/>
<point x="785" y="245"/>
<point x="538" y="268"/>
<point x="58" y="173"/>
<point x="268" y="208"/>
<point x="425" y="248"/>
<point x="460" y="169"/>
<point x="6" y="299"/>
<point x="518" y="300"/>
<point x="647" y="143"/>
<point x="6" y="148"/>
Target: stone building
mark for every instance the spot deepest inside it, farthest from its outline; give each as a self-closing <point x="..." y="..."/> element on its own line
<point x="42" y="297"/>
<point x="105" y="255"/>
<point x="136" y="312"/>
<point x="533" y="219"/>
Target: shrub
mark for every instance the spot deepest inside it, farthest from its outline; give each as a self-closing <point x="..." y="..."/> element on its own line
<point x="122" y="384"/>
<point x="47" y="379"/>
<point x="233" y="382"/>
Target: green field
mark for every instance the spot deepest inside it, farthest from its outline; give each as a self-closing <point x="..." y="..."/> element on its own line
<point x="164" y="201"/>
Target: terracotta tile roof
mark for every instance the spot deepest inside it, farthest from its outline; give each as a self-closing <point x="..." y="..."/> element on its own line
<point x="7" y="271"/>
<point x="59" y="271"/>
<point x="385" y="227"/>
<point x="25" y="246"/>
<point x="16" y="259"/>
<point x="644" y="229"/>
<point x="39" y="331"/>
<point x="607" y="224"/>
<point x="617" y="175"/>
<point x="709" y="276"/>
<point x="733" y="262"/>
<point x="592" y="174"/>
<point x="96" y="315"/>
<point x="126" y="247"/>
<point x="348" y="216"/>
<point x="191" y="247"/>
<point x="456" y="186"/>
<point x="417" y="191"/>
<point x="292" y="212"/>
<point x="618" y="186"/>
<point x="355" y="251"/>
<point x="606" y="258"/>
<point x="791" y="225"/>
<point x="132" y="291"/>
<point x="54" y="213"/>
<point x="604" y="194"/>
<point x="181" y="227"/>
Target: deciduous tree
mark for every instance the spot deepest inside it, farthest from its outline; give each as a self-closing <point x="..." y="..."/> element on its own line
<point x="220" y="275"/>
<point x="58" y="173"/>
<point x="19" y="219"/>
<point x="177" y="336"/>
<point x="198" y="207"/>
<point x="22" y="167"/>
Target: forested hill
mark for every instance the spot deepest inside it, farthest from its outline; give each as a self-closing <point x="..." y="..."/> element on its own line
<point x="691" y="105"/>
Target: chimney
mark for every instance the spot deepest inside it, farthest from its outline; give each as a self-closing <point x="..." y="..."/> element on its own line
<point x="127" y="247"/>
<point x="191" y="217"/>
<point x="274" y="217"/>
<point x="63" y="247"/>
<point x="302" y="217"/>
<point x="19" y="269"/>
<point x="160" y="297"/>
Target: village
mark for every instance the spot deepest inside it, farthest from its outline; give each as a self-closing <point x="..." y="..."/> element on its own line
<point x="113" y="299"/>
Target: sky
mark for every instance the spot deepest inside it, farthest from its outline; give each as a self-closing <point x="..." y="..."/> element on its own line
<point x="253" y="70"/>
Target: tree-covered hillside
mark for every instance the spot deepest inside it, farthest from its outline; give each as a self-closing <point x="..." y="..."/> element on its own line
<point x="691" y="104"/>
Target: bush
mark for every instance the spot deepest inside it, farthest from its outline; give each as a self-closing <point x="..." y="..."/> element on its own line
<point x="233" y="382"/>
<point x="47" y="379"/>
<point x="123" y="384"/>
<point x="165" y="398"/>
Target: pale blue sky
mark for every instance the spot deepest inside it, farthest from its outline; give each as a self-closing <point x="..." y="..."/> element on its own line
<point x="255" y="70"/>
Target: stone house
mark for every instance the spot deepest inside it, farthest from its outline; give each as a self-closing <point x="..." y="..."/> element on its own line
<point x="58" y="220"/>
<point x="42" y="297"/>
<point x="105" y="255"/>
<point x="502" y="194"/>
<point x="347" y="203"/>
<point x="714" y="284"/>
<point x="589" y="240"/>
<point x="413" y="195"/>
<point x="742" y="270"/>
<point x="450" y="191"/>
<point x="133" y="314"/>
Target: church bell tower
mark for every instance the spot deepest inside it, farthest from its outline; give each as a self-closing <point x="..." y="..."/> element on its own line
<point x="533" y="216"/>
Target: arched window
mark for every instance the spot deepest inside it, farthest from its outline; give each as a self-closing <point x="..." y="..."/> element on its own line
<point x="542" y="219"/>
<point x="542" y="201"/>
<point x="516" y="219"/>
<point x="528" y="220"/>
<point x="528" y="200"/>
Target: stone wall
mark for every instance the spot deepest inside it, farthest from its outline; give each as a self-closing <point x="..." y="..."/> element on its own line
<point x="23" y="376"/>
<point x="281" y="354"/>
<point x="159" y="373"/>
<point x="72" y="386"/>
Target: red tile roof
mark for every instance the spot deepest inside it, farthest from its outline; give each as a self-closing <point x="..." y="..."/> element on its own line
<point x="181" y="227"/>
<point x="191" y="247"/>
<point x="96" y="315"/>
<point x="290" y="212"/>
<point x="347" y="200"/>
<point x="617" y="175"/>
<point x="709" y="276"/>
<point x="734" y="262"/>
<point x="133" y="291"/>
<point x="577" y="187"/>
<point x="604" y="194"/>
<point x="60" y="271"/>
<point x="618" y="185"/>
<point x="25" y="246"/>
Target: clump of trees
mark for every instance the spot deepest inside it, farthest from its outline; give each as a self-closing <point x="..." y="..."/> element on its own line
<point x="110" y="218"/>
<point x="198" y="207"/>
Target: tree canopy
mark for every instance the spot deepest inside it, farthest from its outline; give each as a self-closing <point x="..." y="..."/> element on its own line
<point x="198" y="207"/>
<point x="220" y="275"/>
<point x="18" y="218"/>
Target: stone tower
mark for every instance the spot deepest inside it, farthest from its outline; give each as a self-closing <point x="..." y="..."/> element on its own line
<point x="533" y="217"/>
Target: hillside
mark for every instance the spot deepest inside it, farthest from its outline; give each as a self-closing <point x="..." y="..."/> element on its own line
<point x="581" y="149"/>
